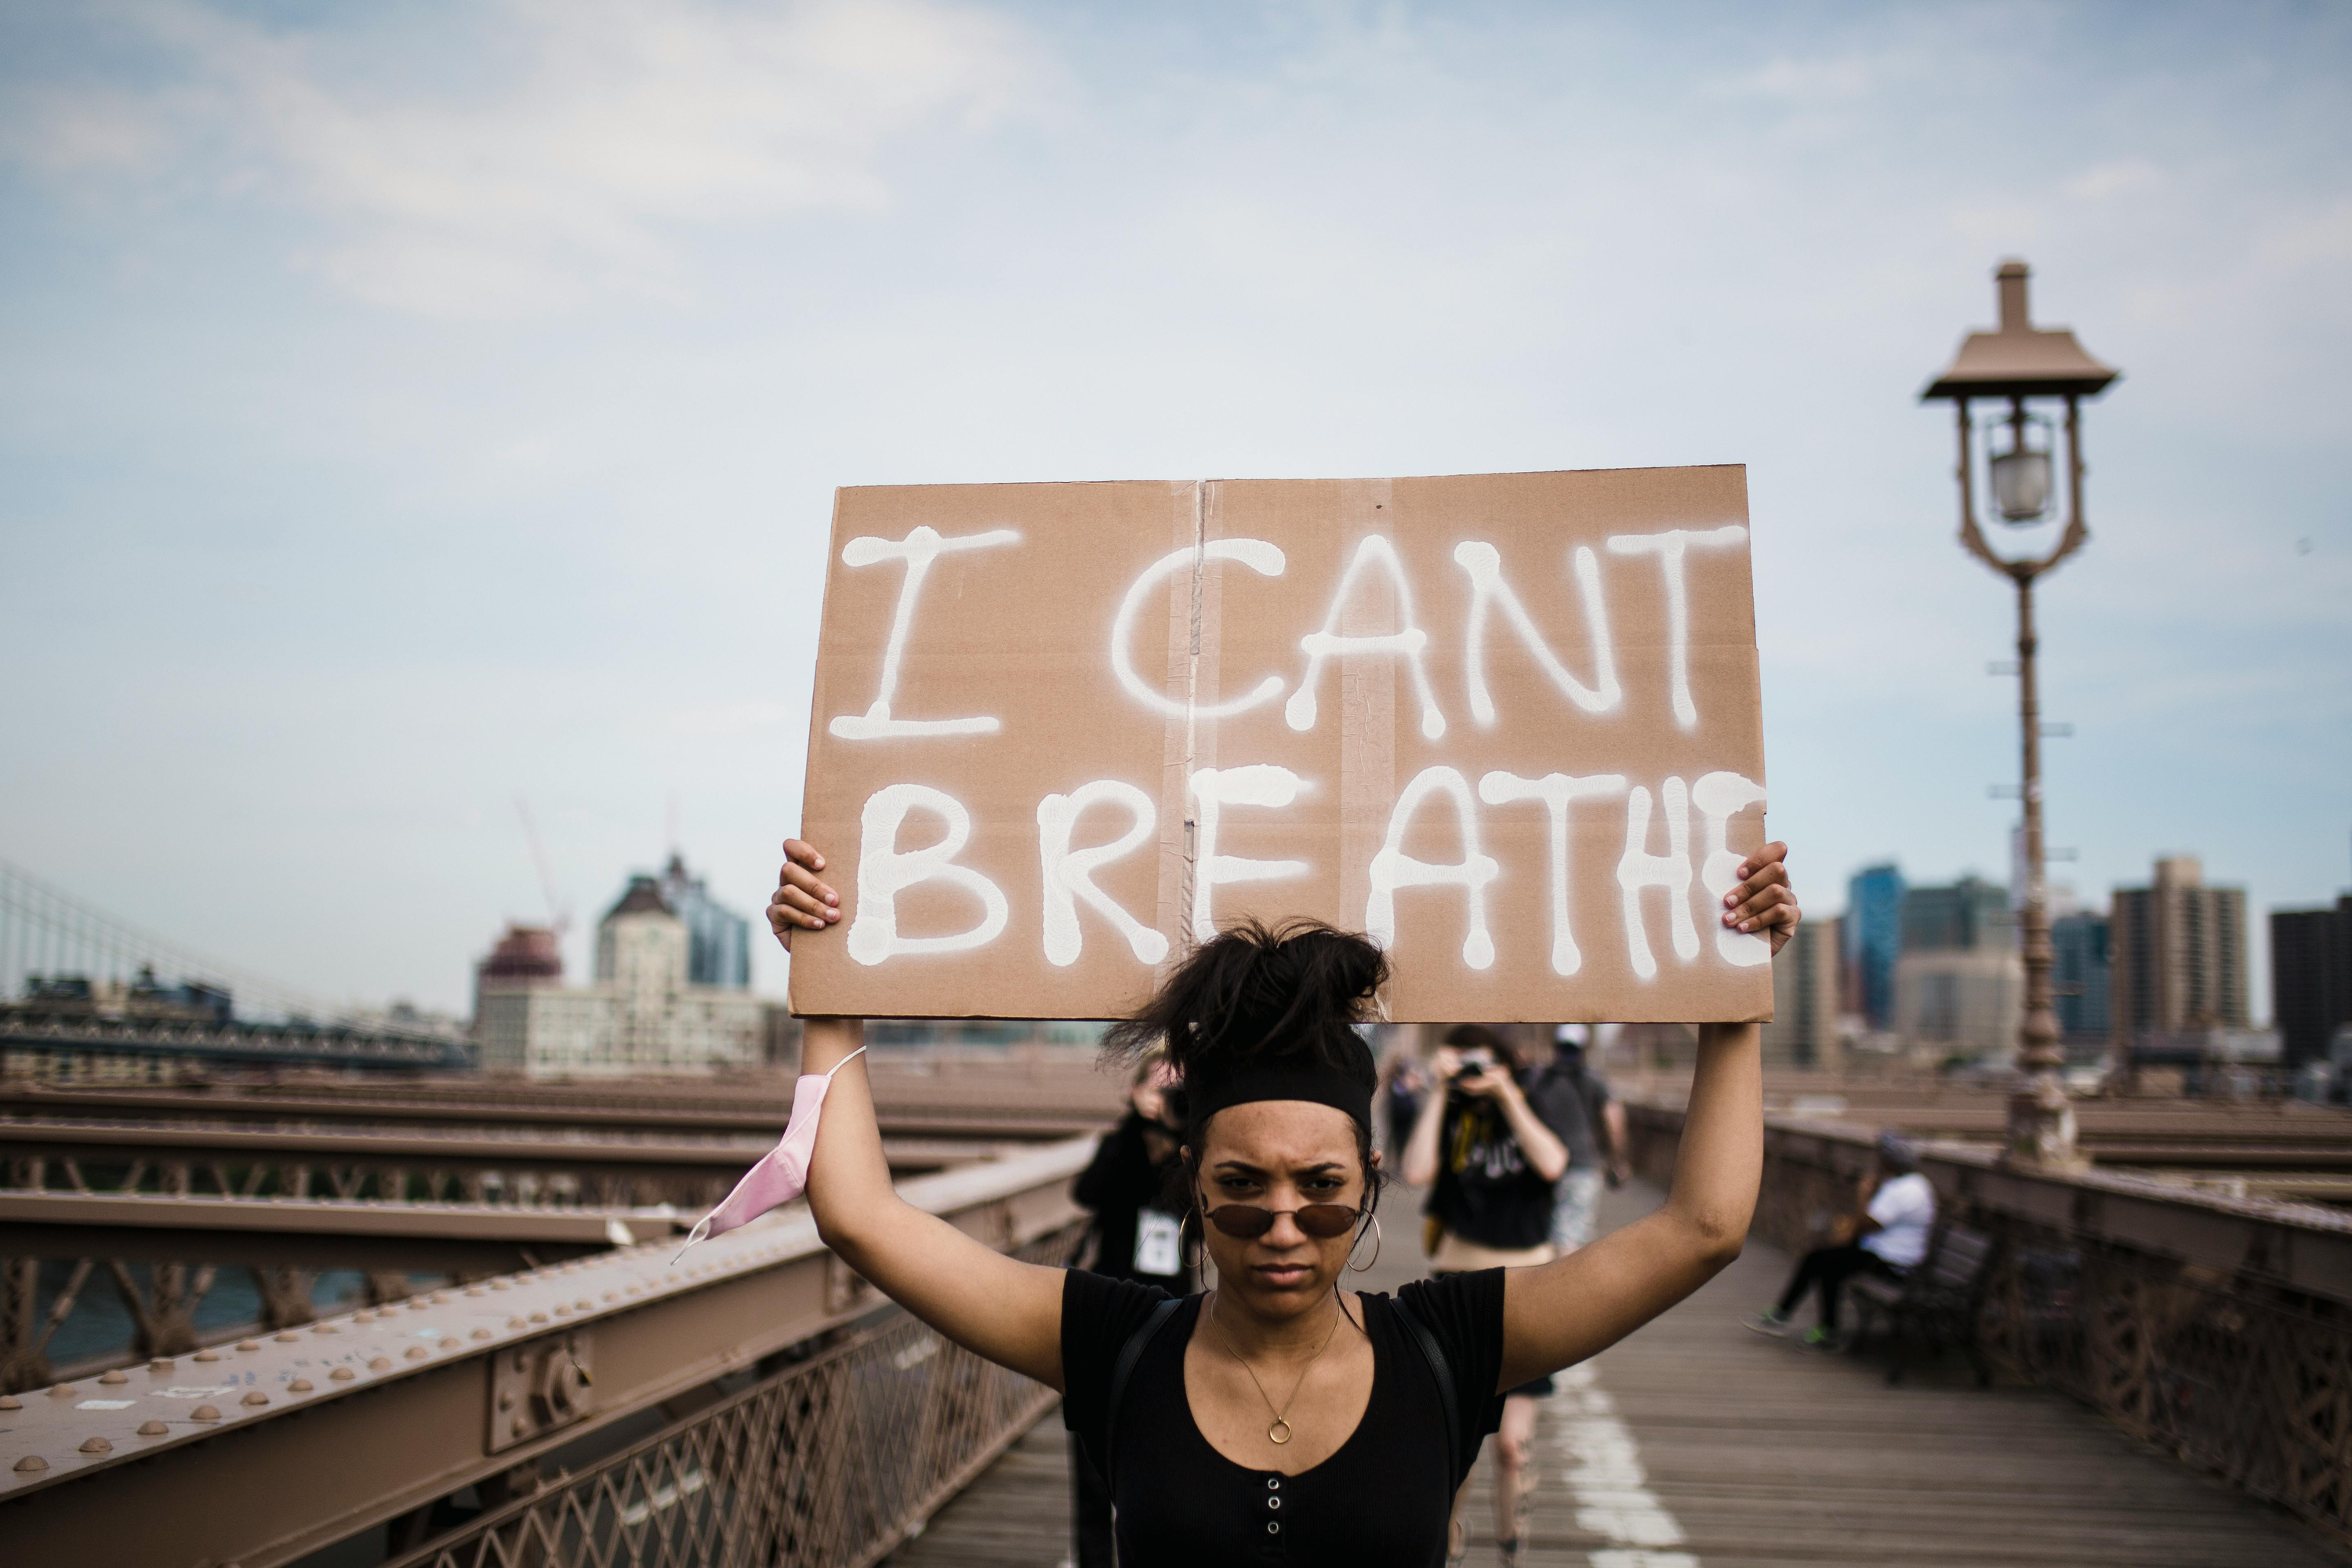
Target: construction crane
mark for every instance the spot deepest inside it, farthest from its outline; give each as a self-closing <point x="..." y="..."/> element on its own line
<point x="559" y="913"/>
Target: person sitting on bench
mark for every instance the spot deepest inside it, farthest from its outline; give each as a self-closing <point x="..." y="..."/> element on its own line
<point x="1887" y="1238"/>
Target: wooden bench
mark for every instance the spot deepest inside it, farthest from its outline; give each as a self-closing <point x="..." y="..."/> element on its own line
<point x="1936" y="1303"/>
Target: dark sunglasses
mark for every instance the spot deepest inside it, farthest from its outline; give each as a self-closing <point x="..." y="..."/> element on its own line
<point x="1247" y="1222"/>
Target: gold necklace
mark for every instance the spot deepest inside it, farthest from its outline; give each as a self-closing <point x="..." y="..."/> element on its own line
<point x="1279" y="1432"/>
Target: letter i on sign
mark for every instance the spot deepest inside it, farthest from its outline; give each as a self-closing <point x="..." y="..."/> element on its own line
<point x="921" y="547"/>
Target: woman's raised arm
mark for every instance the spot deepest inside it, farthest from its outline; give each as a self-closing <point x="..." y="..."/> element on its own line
<point x="995" y="1306"/>
<point x="1560" y="1314"/>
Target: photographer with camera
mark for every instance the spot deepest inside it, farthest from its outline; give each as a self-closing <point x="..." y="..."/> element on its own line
<point x="1490" y="1155"/>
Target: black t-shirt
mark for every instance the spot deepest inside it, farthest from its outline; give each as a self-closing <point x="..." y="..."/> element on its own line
<point x="1485" y="1192"/>
<point x="1381" y="1501"/>
<point x="1118" y="1186"/>
<point x="1583" y="1137"/>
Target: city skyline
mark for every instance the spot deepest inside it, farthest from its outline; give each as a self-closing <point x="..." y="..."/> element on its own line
<point x="415" y="410"/>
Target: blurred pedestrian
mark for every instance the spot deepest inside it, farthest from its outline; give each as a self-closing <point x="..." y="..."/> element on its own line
<point x="1490" y="1151"/>
<point x="1596" y="1148"/>
<point x="1887" y="1236"/>
<point x="1137" y="1234"/>
<point x="1405" y="1088"/>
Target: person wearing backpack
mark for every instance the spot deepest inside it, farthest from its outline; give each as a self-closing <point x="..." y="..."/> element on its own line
<point x="1277" y="1416"/>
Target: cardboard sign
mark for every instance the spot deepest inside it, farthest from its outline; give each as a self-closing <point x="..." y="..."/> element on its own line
<point x="1508" y="724"/>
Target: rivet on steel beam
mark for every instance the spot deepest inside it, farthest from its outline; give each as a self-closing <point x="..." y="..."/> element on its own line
<point x="517" y="1323"/>
<point x="416" y="1304"/>
<point x="112" y="1377"/>
<point x="299" y="1385"/>
<point x="380" y="1364"/>
<point x="62" y="1390"/>
<point x="241" y="1344"/>
<point x="450" y="1344"/>
<point x="539" y="1316"/>
<point x="153" y="1429"/>
<point x="342" y="1375"/>
<point x="439" y="1296"/>
<point x="611" y="1295"/>
<point x="362" y="1316"/>
<point x="160" y="1364"/>
<point x="213" y="1355"/>
<point x="519" y="1427"/>
<point x="10" y="1401"/>
<point x="98" y="1446"/>
<point x="31" y="1463"/>
<point x="500" y="1285"/>
<point x="560" y="1311"/>
<point x="204" y="1413"/>
<point x="481" y="1333"/>
<point x="473" y="1290"/>
<point x="255" y="1397"/>
<point x="417" y="1353"/>
<point x="285" y="1339"/>
<point x="317" y="1329"/>
<point x="584" y="1304"/>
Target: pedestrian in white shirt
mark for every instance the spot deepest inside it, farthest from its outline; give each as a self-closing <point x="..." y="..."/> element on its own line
<point x="1887" y="1238"/>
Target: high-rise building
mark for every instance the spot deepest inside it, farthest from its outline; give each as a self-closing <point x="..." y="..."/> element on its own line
<point x="2176" y="953"/>
<point x="2311" y="978"/>
<point x="1871" y="938"/>
<point x="1803" y="1032"/>
<point x="1959" y="986"/>
<point x="719" y="940"/>
<point x="1960" y="1002"/>
<point x="645" y="1012"/>
<point x="2079" y="980"/>
<point x="1970" y="915"/>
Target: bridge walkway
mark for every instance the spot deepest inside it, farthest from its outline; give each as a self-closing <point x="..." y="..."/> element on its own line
<point x="1695" y="1443"/>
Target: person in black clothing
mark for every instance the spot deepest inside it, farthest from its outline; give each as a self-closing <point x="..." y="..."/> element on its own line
<point x="1490" y="1158"/>
<point x="1135" y="1230"/>
<point x="1136" y="1236"/>
<point x="1278" y="1418"/>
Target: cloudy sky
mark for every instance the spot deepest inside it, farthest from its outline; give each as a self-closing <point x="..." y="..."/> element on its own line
<point x="409" y="409"/>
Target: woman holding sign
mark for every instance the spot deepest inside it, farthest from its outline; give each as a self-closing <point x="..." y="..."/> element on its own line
<point x="1279" y="1418"/>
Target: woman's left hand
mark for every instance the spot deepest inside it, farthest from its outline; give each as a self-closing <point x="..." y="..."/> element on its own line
<point x="1764" y="901"/>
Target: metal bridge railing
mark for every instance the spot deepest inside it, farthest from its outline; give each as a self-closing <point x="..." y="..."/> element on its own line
<point x="831" y="1463"/>
<point x="2218" y="1330"/>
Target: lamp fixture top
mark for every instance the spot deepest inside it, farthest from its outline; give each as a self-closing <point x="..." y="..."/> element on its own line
<point x="2020" y="359"/>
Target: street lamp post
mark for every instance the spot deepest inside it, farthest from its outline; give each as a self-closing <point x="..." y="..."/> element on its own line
<point x="2011" y="365"/>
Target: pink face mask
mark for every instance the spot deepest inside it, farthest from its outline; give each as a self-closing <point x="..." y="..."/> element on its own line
<point x="782" y="1173"/>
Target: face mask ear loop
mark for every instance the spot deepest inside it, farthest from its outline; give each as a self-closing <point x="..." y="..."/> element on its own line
<point x="701" y="1231"/>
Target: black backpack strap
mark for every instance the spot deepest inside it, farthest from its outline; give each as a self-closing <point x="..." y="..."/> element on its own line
<point x="1434" y="1354"/>
<point x="1124" y="1368"/>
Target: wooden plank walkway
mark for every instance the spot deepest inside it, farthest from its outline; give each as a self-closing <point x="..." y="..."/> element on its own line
<point x="1695" y="1443"/>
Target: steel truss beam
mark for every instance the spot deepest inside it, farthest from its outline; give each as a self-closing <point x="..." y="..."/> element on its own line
<point x="276" y="1447"/>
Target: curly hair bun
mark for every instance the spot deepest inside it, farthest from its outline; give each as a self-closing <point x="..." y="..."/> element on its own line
<point x="1295" y="991"/>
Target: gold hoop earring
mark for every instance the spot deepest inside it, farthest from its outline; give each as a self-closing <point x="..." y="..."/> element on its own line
<point x="1367" y="1266"/>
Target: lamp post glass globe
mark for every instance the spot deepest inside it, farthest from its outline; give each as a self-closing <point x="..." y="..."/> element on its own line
<point x="2021" y="473"/>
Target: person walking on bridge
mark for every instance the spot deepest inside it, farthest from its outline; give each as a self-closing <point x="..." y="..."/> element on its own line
<point x="1277" y="1416"/>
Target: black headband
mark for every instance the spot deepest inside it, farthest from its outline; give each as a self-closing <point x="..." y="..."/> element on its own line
<point x="1280" y="1078"/>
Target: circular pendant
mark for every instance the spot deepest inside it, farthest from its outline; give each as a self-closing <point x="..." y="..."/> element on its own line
<point x="1279" y="1432"/>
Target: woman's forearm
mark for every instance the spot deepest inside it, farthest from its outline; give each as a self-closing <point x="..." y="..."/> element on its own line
<point x="1546" y="1154"/>
<point x="849" y="1180"/>
<point x="1721" y="1161"/>
<point x="1421" y="1149"/>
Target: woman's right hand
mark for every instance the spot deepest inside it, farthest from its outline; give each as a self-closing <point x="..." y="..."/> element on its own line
<point x="803" y="901"/>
